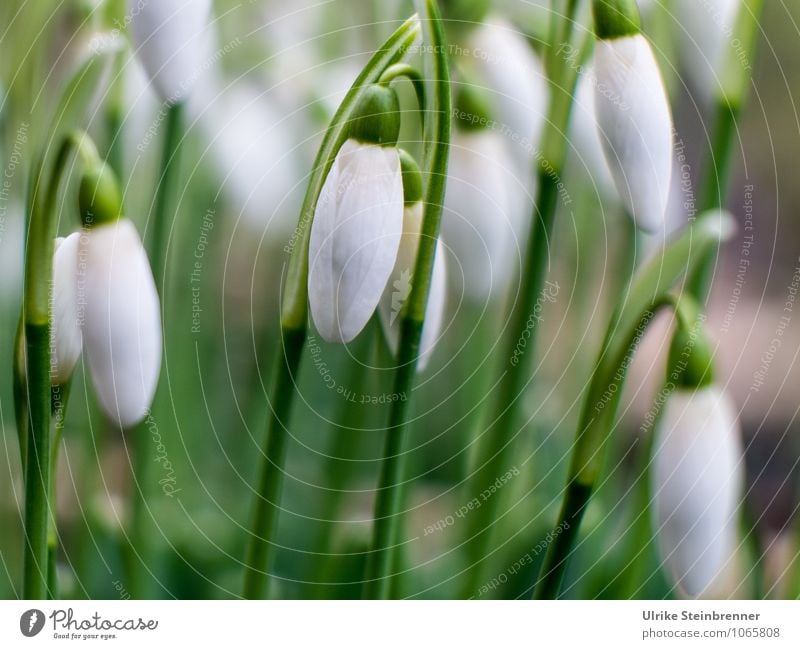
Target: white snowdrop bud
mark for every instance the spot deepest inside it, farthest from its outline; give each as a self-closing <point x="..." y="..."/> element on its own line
<point x="358" y="221"/>
<point x="479" y="223"/>
<point x="121" y="321"/>
<point x="635" y="126"/>
<point x="706" y="30"/>
<point x="170" y="40"/>
<point x="697" y="484"/>
<point x="399" y="287"/>
<point x="65" y="332"/>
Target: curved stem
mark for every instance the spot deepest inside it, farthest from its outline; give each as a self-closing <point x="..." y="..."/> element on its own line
<point x="649" y="292"/>
<point x="735" y="80"/>
<point x="294" y="316"/>
<point x="414" y="76"/>
<point x="390" y="502"/>
<point x="36" y="318"/>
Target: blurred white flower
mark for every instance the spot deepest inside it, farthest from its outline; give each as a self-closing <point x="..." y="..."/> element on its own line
<point x="586" y="148"/>
<point x="12" y="250"/>
<point x="517" y="91"/>
<point x="171" y="40"/>
<point x="697" y="485"/>
<point x="515" y="76"/>
<point x="401" y="281"/>
<point x="355" y="237"/>
<point x="635" y="126"/>
<point x="65" y="333"/>
<point x="706" y="31"/>
<point x="479" y="222"/>
<point x="121" y="320"/>
<point x="252" y="152"/>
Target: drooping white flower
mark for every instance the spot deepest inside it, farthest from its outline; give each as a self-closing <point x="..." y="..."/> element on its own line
<point x="516" y="89"/>
<point x="697" y="485"/>
<point x="354" y="239"/>
<point x="121" y="321"/>
<point x="480" y="223"/>
<point x="66" y="341"/>
<point x="516" y="79"/>
<point x="585" y="146"/>
<point x="401" y="281"/>
<point x="706" y="30"/>
<point x="635" y="126"/>
<point x="252" y="150"/>
<point x="170" y="37"/>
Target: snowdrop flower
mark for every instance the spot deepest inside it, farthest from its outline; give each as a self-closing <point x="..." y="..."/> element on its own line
<point x="706" y="28"/>
<point x="480" y="223"/>
<point x="358" y="222"/>
<point x="516" y="89"/>
<point x="516" y="78"/>
<point x="633" y="113"/>
<point x="121" y="320"/>
<point x="586" y="148"/>
<point x="170" y="40"/>
<point x="252" y="150"/>
<point x="65" y="332"/>
<point x="697" y="485"/>
<point x="399" y="287"/>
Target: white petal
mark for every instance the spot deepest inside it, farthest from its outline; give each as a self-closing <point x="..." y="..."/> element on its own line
<point x="697" y="484"/>
<point x="480" y="222"/>
<point x="400" y="283"/>
<point x="170" y="40"/>
<point x="706" y="31"/>
<point x="635" y="126"/>
<point x="65" y="332"/>
<point x="121" y="321"/>
<point x="354" y="240"/>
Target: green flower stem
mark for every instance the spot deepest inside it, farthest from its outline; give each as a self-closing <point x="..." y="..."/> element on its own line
<point x="649" y="292"/>
<point x="270" y="480"/>
<point x="114" y="117"/>
<point x="36" y="317"/>
<point x="21" y="393"/>
<point x="496" y="443"/>
<point x="413" y="75"/>
<point x="390" y="501"/>
<point x="735" y="80"/>
<point x="59" y="399"/>
<point x="348" y="435"/>
<point x="716" y="189"/>
<point x="294" y="318"/>
<point x="170" y="163"/>
<point x="137" y="547"/>
<point x="494" y="446"/>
